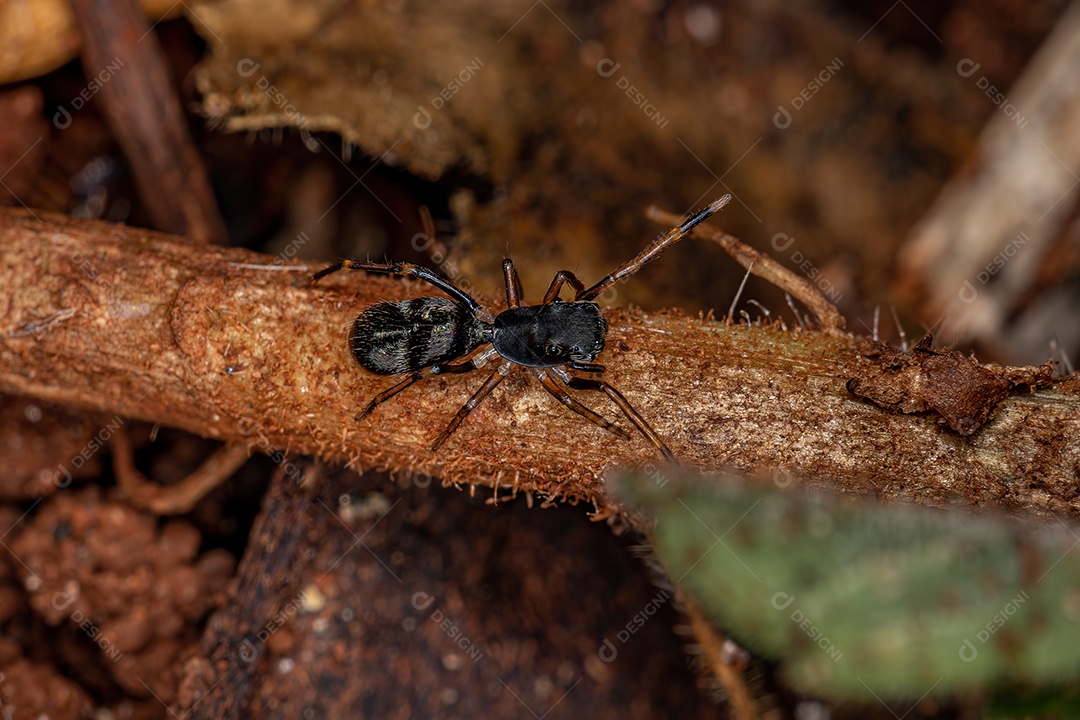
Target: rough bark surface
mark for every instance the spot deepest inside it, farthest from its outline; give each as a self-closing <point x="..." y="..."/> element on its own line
<point x="148" y="326"/>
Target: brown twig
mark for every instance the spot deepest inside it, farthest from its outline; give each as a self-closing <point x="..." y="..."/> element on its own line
<point x="181" y="497"/>
<point x="828" y="317"/>
<point x="203" y="339"/>
<point x="141" y="105"/>
<point x="712" y="646"/>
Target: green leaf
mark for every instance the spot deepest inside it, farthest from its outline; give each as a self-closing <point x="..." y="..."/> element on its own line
<point x="861" y="600"/>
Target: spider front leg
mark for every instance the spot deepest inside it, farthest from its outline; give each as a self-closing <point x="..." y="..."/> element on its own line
<point x="561" y="278"/>
<point x="650" y="253"/>
<point x="513" y="284"/>
<point x="402" y="269"/>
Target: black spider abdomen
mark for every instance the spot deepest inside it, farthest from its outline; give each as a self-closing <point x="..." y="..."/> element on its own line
<point x="390" y="338"/>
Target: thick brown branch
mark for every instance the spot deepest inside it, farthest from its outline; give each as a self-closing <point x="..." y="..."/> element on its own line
<point x="149" y="326"/>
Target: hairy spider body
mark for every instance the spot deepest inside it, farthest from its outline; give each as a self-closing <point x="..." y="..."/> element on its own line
<point x="391" y="338"/>
<point x="422" y="337"/>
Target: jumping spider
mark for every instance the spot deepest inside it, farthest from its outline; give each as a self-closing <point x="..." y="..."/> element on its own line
<point x="422" y="336"/>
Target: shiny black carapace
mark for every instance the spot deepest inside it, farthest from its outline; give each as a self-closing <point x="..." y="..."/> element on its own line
<point x="422" y="336"/>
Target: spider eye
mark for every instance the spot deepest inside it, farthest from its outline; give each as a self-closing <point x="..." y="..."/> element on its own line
<point x="552" y="348"/>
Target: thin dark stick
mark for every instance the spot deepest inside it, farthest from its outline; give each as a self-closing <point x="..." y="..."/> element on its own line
<point x="140" y="103"/>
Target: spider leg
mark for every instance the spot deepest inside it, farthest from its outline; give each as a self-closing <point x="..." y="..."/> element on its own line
<point x="650" y="253"/>
<point x="628" y="410"/>
<point x="561" y="278"/>
<point x="490" y="384"/>
<point x="513" y="284"/>
<point x="437" y="369"/>
<point x="586" y="366"/>
<point x="562" y="396"/>
<point x="405" y="269"/>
